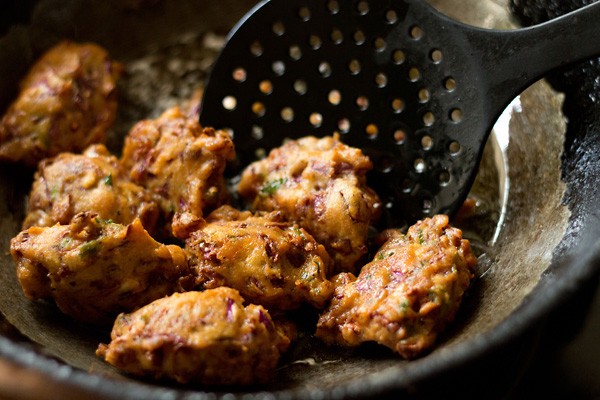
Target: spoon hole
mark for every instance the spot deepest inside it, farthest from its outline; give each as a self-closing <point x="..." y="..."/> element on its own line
<point x="372" y="130"/>
<point x="278" y="68"/>
<point x="420" y="165"/>
<point x="239" y="74"/>
<point x="398" y="105"/>
<point x="450" y="84"/>
<point x="259" y="109"/>
<point x="428" y="118"/>
<point x="295" y="53"/>
<point x="354" y="67"/>
<point x="315" y="119"/>
<point x="300" y="87"/>
<point x="256" y="49"/>
<point x="260" y="153"/>
<point x="287" y="114"/>
<point x="444" y="178"/>
<point x="257" y="132"/>
<point x="400" y="136"/>
<point x="456" y="115"/>
<point x="325" y="69"/>
<point x="359" y="37"/>
<point x="398" y="56"/>
<point x="344" y="125"/>
<point x="391" y="17"/>
<point x="265" y="87"/>
<point x="427" y="142"/>
<point x="304" y="14"/>
<point x="362" y="7"/>
<point x="337" y="37"/>
<point x="424" y="95"/>
<point x="229" y="103"/>
<point x="426" y="204"/>
<point x="385" y="165"/>
<point x="362" y="102"/>
<point x="416" y="32"/>
<point x="315" y="42"/>
<point x="379" y="44"/>
<point x="335" y="97"/>
<point x="278" y="28"/>
<point x="407" y="185"/>
<point x="436" y="56"/>
<point x="381" y="80"/>
<point x="333" y="6"/>
<point x="414" y="74"/>
<point x="454" y="148"/>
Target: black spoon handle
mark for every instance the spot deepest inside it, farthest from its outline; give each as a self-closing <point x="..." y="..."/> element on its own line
<point x="511" y="60"/>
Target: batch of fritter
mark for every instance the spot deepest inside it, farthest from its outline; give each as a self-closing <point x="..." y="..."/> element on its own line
<point x="200" y="290"/>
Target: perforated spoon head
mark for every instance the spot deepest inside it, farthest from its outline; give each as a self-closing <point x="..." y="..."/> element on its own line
<point x="415" y="90"/>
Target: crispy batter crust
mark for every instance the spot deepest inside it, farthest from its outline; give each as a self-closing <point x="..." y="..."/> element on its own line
<point x="180" y="162"/>
<point x="271" y="263"/>
<point x="69" y="184"/>
<point x="319" y="184"/>
<point x="95" y="269"/>
<point x="67" y="102"/>
<point x="203" y="337"/>
<point x="407" y="294"/>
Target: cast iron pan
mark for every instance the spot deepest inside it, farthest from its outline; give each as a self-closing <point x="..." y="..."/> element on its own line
<point x="536" y="228"/>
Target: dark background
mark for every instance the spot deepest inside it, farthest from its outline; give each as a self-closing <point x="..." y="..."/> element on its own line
<point x="568" y="362"/>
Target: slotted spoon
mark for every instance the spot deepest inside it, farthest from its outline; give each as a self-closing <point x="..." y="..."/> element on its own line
<point x="416" y="90"/>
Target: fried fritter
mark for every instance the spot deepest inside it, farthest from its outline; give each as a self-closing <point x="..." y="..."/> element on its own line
<point x="69" y="184"/>
<point x="67" y="102"/>
<point x="180" y="162"/>
<point x="271" y="263"/>
<point x="407" y="294"/>
<point x="95" y="269"/>
<point x="202" y="337"/>
<point x="319" y="184"/>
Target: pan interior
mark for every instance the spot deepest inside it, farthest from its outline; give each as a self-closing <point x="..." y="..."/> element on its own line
<point x="169" y="47"/>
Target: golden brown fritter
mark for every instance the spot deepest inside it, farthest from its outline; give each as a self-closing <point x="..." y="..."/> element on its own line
<point x="179" y="162"/>
<point x="202" y="337"/>
<point x="67" y="102"/>
<point x="274" y="264"/>
<point x="407" y="294"/>
<point x="319" y="184"/>
<point x="69" y="184"/>
<point x="95" y="269"/>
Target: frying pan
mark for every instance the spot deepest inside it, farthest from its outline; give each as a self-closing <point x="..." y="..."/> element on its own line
<point x="536" y="227"/>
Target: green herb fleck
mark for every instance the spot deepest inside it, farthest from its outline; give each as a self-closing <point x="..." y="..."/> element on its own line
<point x="102" y="221"/>
<point x="298" y="232"/>
<point x="108" y="180"/>
<point x="383" y="256"/>
<point x="171" y="208"/>
<point x="89" y="248"/>
<point x="404" y="305"/>
<point x="420" y="235"/>
<point x="307" y="276"/>
<point x="271" y="187"/>
<point x="54" y="192"/>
